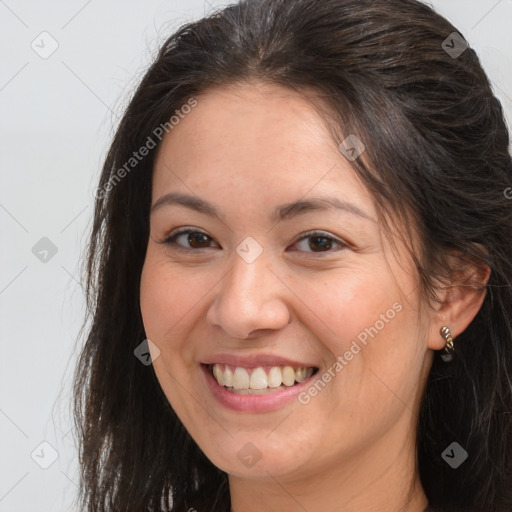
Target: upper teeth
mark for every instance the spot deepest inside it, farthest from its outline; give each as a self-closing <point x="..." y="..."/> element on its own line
<point x="258" y="378"/>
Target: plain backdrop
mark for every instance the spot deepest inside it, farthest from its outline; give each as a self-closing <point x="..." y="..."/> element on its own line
<point x="57" y="116"/>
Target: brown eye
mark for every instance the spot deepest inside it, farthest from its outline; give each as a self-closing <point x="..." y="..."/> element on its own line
<point x="190" y="239"/>
<point x="321" y="243"/>
<point x="316" y="241"/>
<point x="198" y="240"/>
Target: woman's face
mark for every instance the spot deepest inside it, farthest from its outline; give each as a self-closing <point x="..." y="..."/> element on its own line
<point x="250" y="288"/>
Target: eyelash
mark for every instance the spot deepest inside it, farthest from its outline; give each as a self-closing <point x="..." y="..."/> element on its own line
<point x="171" y="240"/>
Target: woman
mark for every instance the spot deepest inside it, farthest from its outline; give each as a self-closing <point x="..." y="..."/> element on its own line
<point x="303" y="224"/>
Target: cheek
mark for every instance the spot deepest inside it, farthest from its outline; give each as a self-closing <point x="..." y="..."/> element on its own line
<point x="165" y="297"/>
<point x="374" y="329"/>
<point x="170" y="302"/>
<point x="350" y="301"/>
<point x="164" y="303"/>
<point x="154" y="300"/>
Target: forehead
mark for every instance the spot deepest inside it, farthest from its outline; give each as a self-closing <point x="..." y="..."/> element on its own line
<point x="263" y="141"/>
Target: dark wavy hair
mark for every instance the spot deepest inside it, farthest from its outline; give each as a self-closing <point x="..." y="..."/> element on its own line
<point x="437" y="158"/>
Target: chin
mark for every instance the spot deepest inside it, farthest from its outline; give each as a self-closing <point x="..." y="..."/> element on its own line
<point x="255" y="456"/>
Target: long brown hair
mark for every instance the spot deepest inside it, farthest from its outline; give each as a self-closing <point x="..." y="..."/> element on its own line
<point x="436" y="154"/>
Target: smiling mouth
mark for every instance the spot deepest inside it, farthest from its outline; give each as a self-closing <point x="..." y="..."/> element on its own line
<point x="260" y="380"/>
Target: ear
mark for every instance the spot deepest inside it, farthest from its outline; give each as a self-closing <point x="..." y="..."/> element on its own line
<point x="460" y="301"/>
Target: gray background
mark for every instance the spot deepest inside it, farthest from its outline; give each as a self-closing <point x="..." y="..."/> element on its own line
<point x="57" y="116"/>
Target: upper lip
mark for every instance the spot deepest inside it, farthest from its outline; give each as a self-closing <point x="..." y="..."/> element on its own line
<point x="255" y="360"/>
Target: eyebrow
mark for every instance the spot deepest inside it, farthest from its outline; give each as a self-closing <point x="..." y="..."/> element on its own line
<point x="283" y="212"/>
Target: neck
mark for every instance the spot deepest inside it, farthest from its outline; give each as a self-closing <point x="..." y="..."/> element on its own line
<point x="381" y="478"/>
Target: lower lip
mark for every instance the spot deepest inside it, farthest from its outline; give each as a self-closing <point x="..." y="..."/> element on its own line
<point x="253" y="403"/>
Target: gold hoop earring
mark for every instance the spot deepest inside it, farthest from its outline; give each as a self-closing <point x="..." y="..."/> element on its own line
<point x="449" y="349"/>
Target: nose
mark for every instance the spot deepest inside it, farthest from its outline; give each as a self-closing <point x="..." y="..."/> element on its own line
<point x="249" y="298"/>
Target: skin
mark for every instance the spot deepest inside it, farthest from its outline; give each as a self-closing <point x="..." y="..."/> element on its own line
<point x="246" y="149"/>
